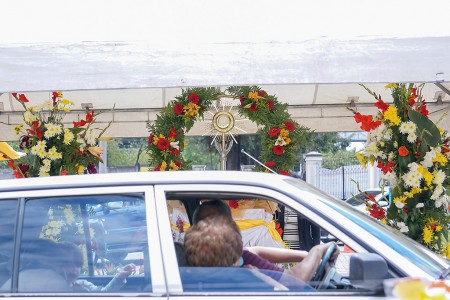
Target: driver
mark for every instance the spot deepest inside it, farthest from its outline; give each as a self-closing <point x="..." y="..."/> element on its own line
<point x="308" y="262"/>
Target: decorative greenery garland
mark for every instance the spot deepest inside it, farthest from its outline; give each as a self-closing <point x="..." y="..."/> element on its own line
<point x="280" y="135"/>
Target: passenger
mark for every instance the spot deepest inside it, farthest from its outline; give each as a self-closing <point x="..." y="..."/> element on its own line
<point x="213" y="243"/>
<point x="70" y="268"/>
<point x="265" y="257"/>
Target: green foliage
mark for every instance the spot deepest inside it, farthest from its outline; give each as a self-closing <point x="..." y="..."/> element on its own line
<point x="199" y="151"/>
<point x="338" y="159"/>
<point x="122" y="154"/>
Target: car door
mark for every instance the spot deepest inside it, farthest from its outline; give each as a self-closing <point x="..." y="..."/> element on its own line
<point x="110" y="226"/>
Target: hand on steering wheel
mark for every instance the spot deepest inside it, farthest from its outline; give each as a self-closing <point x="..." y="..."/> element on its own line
<point x="326" y="258"/>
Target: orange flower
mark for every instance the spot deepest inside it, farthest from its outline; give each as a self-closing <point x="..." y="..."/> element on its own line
<point x="402" y="151"/>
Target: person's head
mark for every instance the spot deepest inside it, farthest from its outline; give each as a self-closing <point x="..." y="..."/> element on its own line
<point x="71" y="262"/>
<point x="210" y="208"/>
<point x="213" y="242"/>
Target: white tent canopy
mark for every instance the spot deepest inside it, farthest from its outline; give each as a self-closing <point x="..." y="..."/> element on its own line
<point x="312" y="65"/>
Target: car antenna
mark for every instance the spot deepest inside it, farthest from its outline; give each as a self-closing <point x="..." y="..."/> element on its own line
<point x="243" y="151"/>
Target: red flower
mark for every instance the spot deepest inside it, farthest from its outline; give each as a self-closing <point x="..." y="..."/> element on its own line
<point x="381" y="105"/>
<point x="412" y="98"/>
<point x="150" y="138"/>
<point x="178" y="109"/>
<point x="157" y="168"/>
<point x="402" y="151"/>
<point x="386" y="168"/>
<point x="173" y="133"/>
<point x="270" y="164"/>
<point x="22" y="98"/>
<point x="367" y="122"/>
<point x="64" y="172"/>
<point x="423" y="109"/>
<point x="14" y="95"/>
<point x="289" y="125"/>
<point x="278" y="150"/>
<point x="262" y="93"/>
<point x="54" y="96"/>
<point x="253" y="107"/>
<point x="177" y="163"/>
<point x="242" y="100"/>
<point x="78" y="124"/>
<point x="233" y="203"/>
<point x="163" y="144"/>
<point x="377" y="212"/>
<point x="174" y="151"/>
<point x="194" y="98"/>
<point x="36" y="130"/>
<point x="274" y="131"/>
<point x="90" y="117"/>
<point x="269" y="104"/>
<point x="284" y="172"/>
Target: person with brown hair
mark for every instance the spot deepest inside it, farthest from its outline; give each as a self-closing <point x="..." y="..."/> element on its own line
<point x="213" y="242"/>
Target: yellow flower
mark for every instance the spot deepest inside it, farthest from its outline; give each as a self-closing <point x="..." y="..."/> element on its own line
<point x="53" y="153"/>
<point x="440" y="158"/>
<point x="163" y="166"/>
<point x="68" y="136"/>
<point x="426" y="175"/>
<point x="254" y="95"/>
<point x="284" y="133"/>
<point x="191" y="109"/>
<point x="391" y="85"/>
<point x="18" y="129"/>
<point x="438" y="228"/>
<point x="361" y="159"/>
<point x="287" y="140"/>
<point x="173" y="166"/>
<point x="79" y="168"/>
<point x="427" y="235"/>
<point x="447" y="251"/>
<point x="401" y="199"/>
<point x="391" y="115"/>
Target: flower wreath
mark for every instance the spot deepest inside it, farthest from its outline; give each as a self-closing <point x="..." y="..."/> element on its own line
<point x="281" y="136"/>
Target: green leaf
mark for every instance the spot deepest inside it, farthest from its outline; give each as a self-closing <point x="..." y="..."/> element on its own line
<point x="426" y="129"/>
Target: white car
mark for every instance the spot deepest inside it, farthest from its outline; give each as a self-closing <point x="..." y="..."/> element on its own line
<point x="141" y="231"/>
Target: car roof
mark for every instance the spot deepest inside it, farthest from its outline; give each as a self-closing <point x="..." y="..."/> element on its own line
<point x="144" y="178"/>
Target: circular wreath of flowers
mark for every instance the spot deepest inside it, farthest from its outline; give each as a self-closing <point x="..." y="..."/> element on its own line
<point x="281" y="136"/>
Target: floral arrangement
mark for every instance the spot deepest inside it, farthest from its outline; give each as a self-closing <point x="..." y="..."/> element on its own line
<point x="412" y="153"/>
<point x="51" y="148"/>
<point x="281" y="136"/>
<point x="166" y="140"/>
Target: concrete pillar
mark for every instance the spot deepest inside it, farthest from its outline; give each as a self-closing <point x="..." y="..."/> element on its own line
<point x="103" y="167"/>
<point x="373" y="176"/>
<point x="313" y="162"/>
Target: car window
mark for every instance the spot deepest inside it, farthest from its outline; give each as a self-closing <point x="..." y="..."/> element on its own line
<point x="84" y="244"/>
<point x="263" y="223"/>
<point x="8" y="211"/>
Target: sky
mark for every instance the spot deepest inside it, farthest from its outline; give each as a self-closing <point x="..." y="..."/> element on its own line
<point x="213" y="21"/>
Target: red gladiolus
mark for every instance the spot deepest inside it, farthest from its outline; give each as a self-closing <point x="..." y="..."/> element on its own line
<point x="178" y="109"/>
<point x="402" y="151"/>
<point x="14" y="95"/>
<point x="233" y="203"/>
<point x="54" y="96"/>
<point x="386" y="168"/>
<point x="22" y="98"/>
<point x="36" y="130"/>
<point x="163" y="144"/>
<point x="64" y="172"/>
<point x="242" y="100"/>
<point x="270" y="164"/>
<point x="269" y="104"/>
<point x="377" y="212"/>
<point x="253" y="107"/>
<point x="423" y="109"/>
<point x="289" y="125"/>
<point x="278" y="150"/>
<point x="90" y="117"/>
<point x="274" y="131"/>
<point x="174" y="151"/>
<point x="381" y="105"/>
<point x="194" y="98"/>
<point x="172" y="133"/>
<point x="79" y="124"/>
<point x="367" y="122"/>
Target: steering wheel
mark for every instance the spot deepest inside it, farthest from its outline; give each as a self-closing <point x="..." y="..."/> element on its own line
<point x="320" y="272"/>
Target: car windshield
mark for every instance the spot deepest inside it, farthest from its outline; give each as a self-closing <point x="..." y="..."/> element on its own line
<point x="410" y="249"/>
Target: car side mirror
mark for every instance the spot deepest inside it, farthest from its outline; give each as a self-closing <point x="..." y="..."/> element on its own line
<point x="368" y="270"/>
